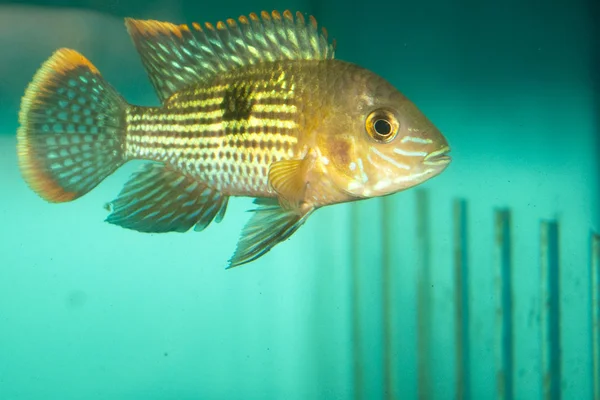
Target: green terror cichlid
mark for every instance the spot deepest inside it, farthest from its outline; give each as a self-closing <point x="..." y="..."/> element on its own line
<point x="256" y="107"/>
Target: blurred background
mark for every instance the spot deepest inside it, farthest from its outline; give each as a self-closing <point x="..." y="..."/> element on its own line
<point x="482" y="283"/>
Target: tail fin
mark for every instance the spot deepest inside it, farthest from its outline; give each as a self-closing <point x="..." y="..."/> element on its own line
<point x="72" y="128"/>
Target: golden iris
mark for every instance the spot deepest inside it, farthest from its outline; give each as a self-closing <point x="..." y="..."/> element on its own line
<point x="382" y="125"/>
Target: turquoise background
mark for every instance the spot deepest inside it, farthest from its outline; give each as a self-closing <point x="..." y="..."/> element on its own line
<point x="482" y="283"/>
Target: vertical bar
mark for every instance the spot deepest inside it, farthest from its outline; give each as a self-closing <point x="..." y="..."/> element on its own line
<point x="355" y="296"/>
<point x="596" y="313"/>
<point x="423" y="296"/>
<point x="550" y="311"/>
<point x="386" y="282"/>
<point x="504" y="306"/>
<point x="461" y="300"/>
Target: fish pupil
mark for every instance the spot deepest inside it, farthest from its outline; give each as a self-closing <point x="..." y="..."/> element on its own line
<point x="383" y="127"/>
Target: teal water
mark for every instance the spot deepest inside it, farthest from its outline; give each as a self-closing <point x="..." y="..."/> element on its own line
<point x="482" y="283"/>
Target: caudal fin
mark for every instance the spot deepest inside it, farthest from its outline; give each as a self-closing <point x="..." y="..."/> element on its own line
<point x="72" y="128"/>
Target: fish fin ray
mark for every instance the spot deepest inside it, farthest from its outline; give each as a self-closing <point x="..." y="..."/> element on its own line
<point x="72" y="128"/>
<point x="157" y="198"/>
<point x="165" y="50"/>
<point x="221" y="213"/>
<point x="265" y="203"/>
<point x="267" y="227"/>
<point x="177" y="56"/>
<point x="288" y="179"/>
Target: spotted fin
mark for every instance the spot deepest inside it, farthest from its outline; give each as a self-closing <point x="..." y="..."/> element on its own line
<point x="72" y="128"/>
<point x="160" y="199"/>
<point x="288" y="178"/>
<point x="176" y="56"/>
<point x="269" y="225"/>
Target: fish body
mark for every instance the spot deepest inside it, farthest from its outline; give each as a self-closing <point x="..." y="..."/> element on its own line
<point x="256" y="108"/>
<point x="228" y="133"/>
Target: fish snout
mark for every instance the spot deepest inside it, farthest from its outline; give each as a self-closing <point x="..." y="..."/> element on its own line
<point x="438" y="157"/>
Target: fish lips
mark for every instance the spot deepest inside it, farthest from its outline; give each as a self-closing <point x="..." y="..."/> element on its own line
<point x="439" y="157"/>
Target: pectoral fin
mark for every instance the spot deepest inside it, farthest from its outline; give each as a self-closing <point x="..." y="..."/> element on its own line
<point x="269" y="226"/>
<point x="159" y="199"/>
<point x="288" y="179"/>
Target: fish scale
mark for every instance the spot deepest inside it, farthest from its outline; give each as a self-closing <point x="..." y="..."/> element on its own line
<point x="232" y="155"/>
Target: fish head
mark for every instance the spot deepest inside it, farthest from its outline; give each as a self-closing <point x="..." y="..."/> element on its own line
<point x="379" y="142"/>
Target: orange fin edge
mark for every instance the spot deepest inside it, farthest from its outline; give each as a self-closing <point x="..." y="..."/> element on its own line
<point x="148" y="28"/>
<point x="60" y="63"/>
<point x="54" y="73"/>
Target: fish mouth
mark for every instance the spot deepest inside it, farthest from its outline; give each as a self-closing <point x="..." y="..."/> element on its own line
<point x="438" y="157"/>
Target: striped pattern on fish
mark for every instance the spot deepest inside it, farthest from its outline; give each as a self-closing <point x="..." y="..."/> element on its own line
<point x="232" y="150"/>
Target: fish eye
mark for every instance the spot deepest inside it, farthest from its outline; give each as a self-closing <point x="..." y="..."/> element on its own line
<point x="382" y="125"/>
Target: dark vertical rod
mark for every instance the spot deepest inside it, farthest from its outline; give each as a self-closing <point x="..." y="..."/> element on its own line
<point x="461" y="300"/>
<point x="423" y="296"/>
<point x="595" y="281"/>
<point x="355" y="296"/>
<point x="504" y="306"/>
<point x="550" y="311"/>
<point x="386" y="290"/>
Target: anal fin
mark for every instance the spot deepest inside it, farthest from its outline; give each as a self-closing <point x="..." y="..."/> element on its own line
<point x="160" y="199"/>
<point x="269" y="226"/>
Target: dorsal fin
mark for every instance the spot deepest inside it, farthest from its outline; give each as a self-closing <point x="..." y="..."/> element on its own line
<point x="176" y="56"/>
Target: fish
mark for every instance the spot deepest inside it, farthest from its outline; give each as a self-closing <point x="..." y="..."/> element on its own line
<point x="256" y="107"/>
